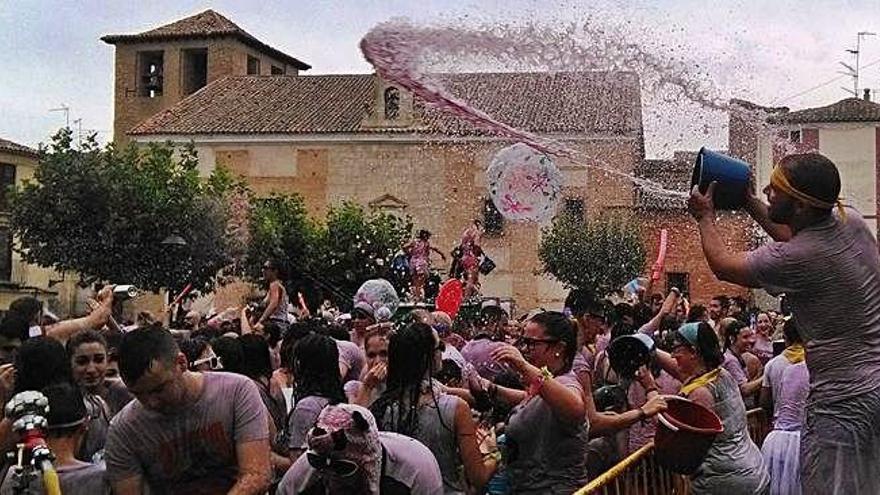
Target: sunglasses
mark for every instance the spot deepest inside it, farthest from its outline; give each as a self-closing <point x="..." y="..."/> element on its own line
<point x="214" y="362"/>
<point x="530" y="343"/>
<point x="337" y="467"/>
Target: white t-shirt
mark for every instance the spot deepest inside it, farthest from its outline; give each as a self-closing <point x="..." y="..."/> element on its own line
<point x="773" y="379"/>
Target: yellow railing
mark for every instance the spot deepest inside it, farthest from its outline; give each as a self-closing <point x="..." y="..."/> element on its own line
<point x="639" y="473"/>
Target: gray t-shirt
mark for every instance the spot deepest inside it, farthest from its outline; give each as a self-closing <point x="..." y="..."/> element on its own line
<point x="99" y="423"/>
<point x="791" y="403"/>
<point x="302" y="418"/>
<point x="409" y="468"/>
<point x="84" y="479"/>
<point x="353" y="357"/>
<point x="830" y="274"/>
<point x="192" y="451"/>
<point x="546" y="455"/>
<point x="436" y="430"/>
<point x="734" y="463"/>
<point x="117" y="396"/>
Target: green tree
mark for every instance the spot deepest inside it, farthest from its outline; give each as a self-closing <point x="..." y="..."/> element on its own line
<point x="281" y="230"/>
<point x="599" y="255"/>
<point x="104" y="213"/>
<point x="354" y="245"/>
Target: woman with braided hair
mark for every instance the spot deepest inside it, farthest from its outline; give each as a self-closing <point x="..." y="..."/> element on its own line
<point x="414" y="405"/>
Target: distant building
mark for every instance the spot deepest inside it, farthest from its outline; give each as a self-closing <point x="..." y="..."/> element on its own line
<point x="686" y="267"/>
<point x="357" y="137"/>
<point x="159" y="67"/>
<point x="17" y="278"/>
<point x="847" y="132"/>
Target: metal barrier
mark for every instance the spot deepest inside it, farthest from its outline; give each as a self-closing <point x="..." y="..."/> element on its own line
<point x="639" y="473"/>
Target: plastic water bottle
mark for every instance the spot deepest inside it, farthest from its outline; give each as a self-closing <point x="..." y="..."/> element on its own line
<point x="499" y="483"/>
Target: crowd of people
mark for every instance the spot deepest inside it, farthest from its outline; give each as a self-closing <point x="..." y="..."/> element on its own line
<point x="271" y="399"/>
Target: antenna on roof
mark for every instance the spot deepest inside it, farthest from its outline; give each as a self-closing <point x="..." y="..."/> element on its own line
<point x="66" y="109"/>
<point x="853" y="71"/>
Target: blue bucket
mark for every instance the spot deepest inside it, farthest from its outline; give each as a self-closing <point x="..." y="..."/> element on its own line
<point x="732" y="176"/>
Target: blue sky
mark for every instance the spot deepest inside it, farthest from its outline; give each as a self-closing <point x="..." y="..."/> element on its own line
<point x="759" y="50"/>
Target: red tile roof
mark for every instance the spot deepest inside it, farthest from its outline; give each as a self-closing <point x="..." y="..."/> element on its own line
<point x="16" y="149"/>
<point x="847" y="110"/>
<point x="588" y="102"/>
<point x="207" y="24"/>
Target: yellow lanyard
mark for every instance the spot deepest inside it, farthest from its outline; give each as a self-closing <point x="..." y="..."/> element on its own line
<point x="700" y="381"/>
<point x="794" y="353"/>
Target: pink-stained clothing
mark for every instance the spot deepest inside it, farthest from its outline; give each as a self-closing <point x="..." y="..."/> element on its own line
<point x="419" y="254"/>
<point x="642" y="432"/>
<point x="830" y="274"/>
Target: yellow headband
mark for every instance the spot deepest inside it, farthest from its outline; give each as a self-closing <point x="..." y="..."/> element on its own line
<point x="779" y="181"/>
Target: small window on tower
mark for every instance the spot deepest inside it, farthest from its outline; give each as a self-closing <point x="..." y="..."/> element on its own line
<point x="392" y="103"/>
<point x="150" y="73"/>
<point x="794" y="136"/>
<point x="253" y="66"/>
<point x="195" y="69"/>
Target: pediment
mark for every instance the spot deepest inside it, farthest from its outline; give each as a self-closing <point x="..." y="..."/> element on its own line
<point x="388" y="202"/>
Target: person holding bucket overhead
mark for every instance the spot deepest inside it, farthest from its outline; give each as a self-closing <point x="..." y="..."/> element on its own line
<point x="826" y="261"/>
<point x="733" y="464"/>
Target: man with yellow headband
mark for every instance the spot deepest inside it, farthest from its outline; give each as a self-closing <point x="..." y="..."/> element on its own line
<point x="825" y="259"/>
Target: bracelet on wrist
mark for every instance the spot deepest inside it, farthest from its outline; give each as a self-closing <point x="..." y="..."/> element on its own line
<point x="537" y="383"/>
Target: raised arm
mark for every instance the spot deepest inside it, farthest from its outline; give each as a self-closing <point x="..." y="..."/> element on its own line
<point x="726" y="265"/>
<point x="669" y="365"/>
<point x="567" y="403"/>
<point x="667" y="307"/>
<point x="63" y="330"/>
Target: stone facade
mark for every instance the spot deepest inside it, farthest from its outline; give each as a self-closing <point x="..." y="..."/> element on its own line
<point x="441" y="185"/>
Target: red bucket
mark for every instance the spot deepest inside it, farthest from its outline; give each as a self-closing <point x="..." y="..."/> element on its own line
<point x="685" y="432"/>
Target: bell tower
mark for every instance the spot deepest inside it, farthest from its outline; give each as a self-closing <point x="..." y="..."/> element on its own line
<point x="156" y="69"/>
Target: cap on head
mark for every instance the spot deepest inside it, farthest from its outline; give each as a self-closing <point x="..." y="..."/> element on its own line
<point x="689" y="332"/>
